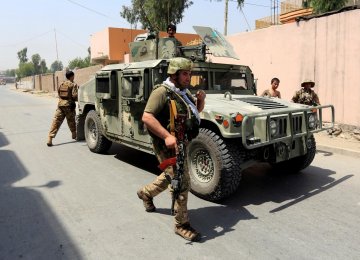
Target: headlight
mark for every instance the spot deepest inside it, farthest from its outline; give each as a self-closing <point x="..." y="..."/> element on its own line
<point x="273" y="127"/>
<point x="312" y="121"/>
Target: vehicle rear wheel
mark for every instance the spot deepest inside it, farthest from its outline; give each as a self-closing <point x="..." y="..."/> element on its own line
<point x="95" y="139"/>
<point x="298" y="163"/>
<point x="80" y="123"/>
<point x="214" y="166"/>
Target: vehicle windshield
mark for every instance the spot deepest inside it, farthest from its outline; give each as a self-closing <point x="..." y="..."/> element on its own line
<point x="218" y="80"/>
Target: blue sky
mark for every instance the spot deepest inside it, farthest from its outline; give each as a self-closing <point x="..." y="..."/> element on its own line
<point x="32" y="24"/>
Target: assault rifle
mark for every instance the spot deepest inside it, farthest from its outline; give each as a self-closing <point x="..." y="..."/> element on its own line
<point x="177" y="161"/>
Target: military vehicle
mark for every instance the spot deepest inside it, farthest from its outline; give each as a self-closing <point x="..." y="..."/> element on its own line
<point x="237" y="127"/>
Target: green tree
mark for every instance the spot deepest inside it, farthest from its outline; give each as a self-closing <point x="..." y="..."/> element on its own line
<point x="22" y="55"/>
<point x="43" y="67"/>
<point x="10" y="73"/>
<point x="79" y="63"/>
<point x="25" y="69"/>
<point x="56" y="66"/>
<point x="36" y="59"/>
<point x="154" y="14"/>
<point x="323" y="6"/>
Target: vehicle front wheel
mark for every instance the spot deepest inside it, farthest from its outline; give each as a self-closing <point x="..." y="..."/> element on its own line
<point x="214" y="166"/>
<point x="95" y="139"/>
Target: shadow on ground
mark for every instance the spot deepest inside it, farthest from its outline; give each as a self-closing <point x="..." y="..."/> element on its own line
<point x="260" y="184"/>
<point x="138" y="159"/>
<point x="29" y="228"/>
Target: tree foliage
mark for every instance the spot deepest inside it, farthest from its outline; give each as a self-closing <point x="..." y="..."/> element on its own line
<point x="43" y="67"/>
<point x="56" y="66"/>
<point x="323" y="6"/>
<point x="25" y="69"/>
<point x="154" y="14"/>
<point x="10" y="73"/>
<point x="36" y="59"/>
<point x="79" y="63"/>
<point x="22" y="55"/>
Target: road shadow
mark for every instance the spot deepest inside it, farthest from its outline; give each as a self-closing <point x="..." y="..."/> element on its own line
<point x="216" y="221"/>
<point x="3" y="140"/>
<point x="138" y="159"/>
<point x="60" y="144"/>
<point x="260" y="184"/>
<point x="324" y="153"/>
<point x="213" y="221"/>
<point x="29" y="229"/>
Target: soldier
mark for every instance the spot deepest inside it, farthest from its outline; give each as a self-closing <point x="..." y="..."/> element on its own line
<point x="171" y="30"/>
<point x="306" y="95"/>
<point x="156" y="117"/>
<point x="272" y="91"/>
<point x="68" y="94"/>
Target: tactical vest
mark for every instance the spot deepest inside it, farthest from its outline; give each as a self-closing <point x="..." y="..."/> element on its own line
<point x="183" y="109"/>
<point x="65" y="90"/>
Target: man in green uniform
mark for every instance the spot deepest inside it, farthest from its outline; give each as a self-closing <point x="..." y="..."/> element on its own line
<point x="171" y="30"/>
<point x="306" y="95"/>
<point x="68" y="94"/>
<point x="156" y="117"/>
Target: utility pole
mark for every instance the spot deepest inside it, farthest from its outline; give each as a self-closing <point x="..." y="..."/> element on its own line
<point x="226" y="16"/>
<point x="57" y="54"/>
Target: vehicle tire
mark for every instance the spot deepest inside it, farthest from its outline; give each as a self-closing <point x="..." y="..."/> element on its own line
<point x="95" y="139"/>
<point x="80" y="123"/>
<point x="214" y="166"/>
<point x="298" y="163"/>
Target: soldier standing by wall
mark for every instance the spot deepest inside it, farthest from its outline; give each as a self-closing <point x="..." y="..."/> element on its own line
<point x="306" y="95"/>
<point x="156" y="117"/>
<point x="68" y="94"/>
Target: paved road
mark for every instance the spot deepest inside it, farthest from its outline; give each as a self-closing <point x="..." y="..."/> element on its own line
<point x="65" y="202"/>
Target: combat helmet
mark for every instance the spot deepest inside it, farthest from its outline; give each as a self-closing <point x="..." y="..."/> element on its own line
<point x="308" y="81"/>
<point x="179" y="63"/>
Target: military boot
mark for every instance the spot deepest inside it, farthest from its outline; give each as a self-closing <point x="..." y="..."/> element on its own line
<point x="148" y="202"/>
<point x="49" y="141"/>
<point x="73" y="135"/>
<point x="187" y="232"/>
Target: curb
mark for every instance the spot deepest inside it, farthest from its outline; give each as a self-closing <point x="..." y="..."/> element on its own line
<point x="331" y="149"/>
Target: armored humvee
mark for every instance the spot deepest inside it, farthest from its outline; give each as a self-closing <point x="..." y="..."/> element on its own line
<point x="237" y="130"/>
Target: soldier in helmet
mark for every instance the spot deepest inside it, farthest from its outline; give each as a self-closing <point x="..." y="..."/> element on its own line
<point x="306" y="95"/>
<point x="156" y="117"/>
<point x="68" y="94"/>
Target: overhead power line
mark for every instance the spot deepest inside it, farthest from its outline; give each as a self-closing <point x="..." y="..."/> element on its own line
<point x="89" y="9"/>
<point x="25" y="41"/>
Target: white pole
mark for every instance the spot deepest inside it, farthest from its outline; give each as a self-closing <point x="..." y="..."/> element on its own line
<point x="57" y="54"/>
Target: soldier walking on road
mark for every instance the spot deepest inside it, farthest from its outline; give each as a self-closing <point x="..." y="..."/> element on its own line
<point x="68" y="94"/>
<point x="157" y="118"/>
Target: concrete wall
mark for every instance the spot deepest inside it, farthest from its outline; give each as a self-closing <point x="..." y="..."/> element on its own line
<point x="50" y="82"/>
<point x="324" y="49"/>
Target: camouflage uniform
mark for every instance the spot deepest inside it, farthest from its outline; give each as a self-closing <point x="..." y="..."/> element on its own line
<point x="158" y="105"/>
<point x="68" y="94"/>
<point x="306" y="96"/>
